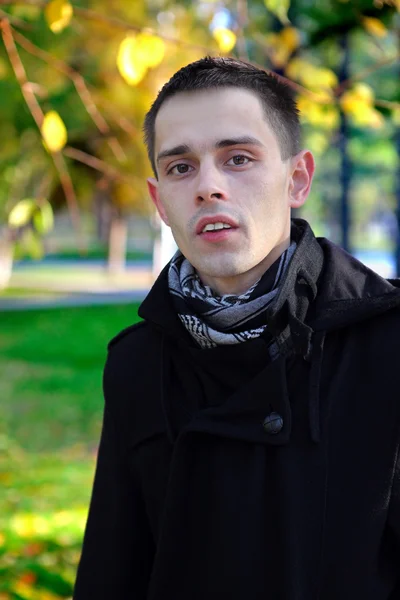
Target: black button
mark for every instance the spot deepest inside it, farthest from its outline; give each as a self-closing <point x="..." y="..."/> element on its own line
<point x="273" y="423"/>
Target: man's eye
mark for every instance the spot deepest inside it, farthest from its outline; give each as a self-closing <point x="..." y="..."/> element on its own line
<point x="181" y="169"/>
<point x="240" y="159"/>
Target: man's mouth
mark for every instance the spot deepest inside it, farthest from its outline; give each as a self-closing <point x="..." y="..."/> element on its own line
<point x="216" y="227"/>
<point x="215" y="223"/>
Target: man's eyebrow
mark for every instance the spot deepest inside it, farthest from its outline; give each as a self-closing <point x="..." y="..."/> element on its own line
<point x="185" y="149"/>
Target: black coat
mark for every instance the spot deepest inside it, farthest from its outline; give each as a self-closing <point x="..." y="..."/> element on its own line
<point x="221" y="474"/>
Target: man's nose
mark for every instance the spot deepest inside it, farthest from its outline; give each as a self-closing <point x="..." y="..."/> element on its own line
<point x="210" y="185"/>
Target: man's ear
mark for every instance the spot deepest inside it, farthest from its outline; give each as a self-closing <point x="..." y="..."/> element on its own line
<point x="152" y="185"/>
<point x="302" y="171"/>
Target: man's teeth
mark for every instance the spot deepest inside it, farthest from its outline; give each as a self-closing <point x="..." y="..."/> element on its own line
<point x="216" y="226"/>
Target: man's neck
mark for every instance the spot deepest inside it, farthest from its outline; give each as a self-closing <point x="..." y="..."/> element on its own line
<point x="239" y="284"/>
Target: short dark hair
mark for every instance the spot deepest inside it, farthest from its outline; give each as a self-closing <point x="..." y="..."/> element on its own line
<point x="277" y="98"/>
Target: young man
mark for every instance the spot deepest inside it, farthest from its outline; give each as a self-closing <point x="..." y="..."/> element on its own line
<point x="251" y="426"/>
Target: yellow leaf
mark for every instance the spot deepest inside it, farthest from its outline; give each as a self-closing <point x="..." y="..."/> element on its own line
<point x="54" y="132"/>
<point x="364" y="92"/>
<point x="279" y="51"/>
<point x="149" y="49"/>
<point x="374" y="26"/>
<point x="326" y="78"/>
<point x="311" y="76"/>
<point x="358" y="104"/>
<point x="290" y="38"/>
<point x="226" y="39"/>
<point x="22" y="213"/>
<point x="325" y="116"/>
<point x="279" y="8"/>
<point x="128" y="64"/>
<point x="368" y="117"/>
<point x="58" y="14"/>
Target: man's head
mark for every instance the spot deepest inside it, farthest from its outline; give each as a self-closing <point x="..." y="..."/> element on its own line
<point x="207" y="73"/>
<point x="224" y="141"/>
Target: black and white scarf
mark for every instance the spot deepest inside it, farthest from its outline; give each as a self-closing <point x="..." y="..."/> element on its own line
<point x="217" y="320"/>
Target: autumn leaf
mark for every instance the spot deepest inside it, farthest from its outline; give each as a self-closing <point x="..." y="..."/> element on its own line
<point x="325" y="116"/>
<point x="28" y="577"/>
<point x="54" y="131"/>
<point x="58" y="14"/>
<point x="131" y="69"/>
<point x="374" y="26"/>
<point x="225" y="38"/>
<point x="21" y="213"/>
<point x="282" y="45"/>
<point x="311" y="76"/>
<point x="290" y="38"/>
<point x="358" y="104"/>
<point x="137" y="54"/>
<point x="149" y="49"/>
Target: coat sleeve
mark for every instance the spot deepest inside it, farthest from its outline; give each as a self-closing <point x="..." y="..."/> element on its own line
<point x="117" y="552"/>
<point x="394" y="521"/>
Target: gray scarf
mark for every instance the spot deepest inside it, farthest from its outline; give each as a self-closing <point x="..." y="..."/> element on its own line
<point x="218" y="320"/>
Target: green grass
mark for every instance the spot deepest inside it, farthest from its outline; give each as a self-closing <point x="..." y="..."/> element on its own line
<point x="51" y="364"/>
<point x="91" y="254"/>
<point x="20" y="292"/>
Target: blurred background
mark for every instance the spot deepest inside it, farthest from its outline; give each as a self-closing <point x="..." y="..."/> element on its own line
<point x="79" y="242"/>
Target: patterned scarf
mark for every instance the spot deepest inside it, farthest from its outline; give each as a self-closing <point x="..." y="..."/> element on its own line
<point x="217" y="320"/>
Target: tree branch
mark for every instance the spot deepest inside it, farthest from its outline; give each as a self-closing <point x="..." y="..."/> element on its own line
<point x="38" y="117"/>
<point x="81" y="88"/>
<point x="99" y="165"/>
<point x="123" y="25"/>
<point x="365" y="73"/>
<point x="16" y="21"/>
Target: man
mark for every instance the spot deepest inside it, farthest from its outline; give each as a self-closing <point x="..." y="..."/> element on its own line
<point x="251" y="426"/>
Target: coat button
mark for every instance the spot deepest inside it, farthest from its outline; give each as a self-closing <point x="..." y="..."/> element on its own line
<point x="273" y="423"/>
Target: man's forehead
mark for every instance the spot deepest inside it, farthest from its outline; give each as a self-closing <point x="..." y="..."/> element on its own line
<point x="201" y="120"/>
<point x="234" y="99"/>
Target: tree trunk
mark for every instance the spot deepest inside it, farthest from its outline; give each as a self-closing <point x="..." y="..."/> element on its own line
<point x="6" y="259"/>
<point x="117" y="245"/>
<point x="103" y="210"/>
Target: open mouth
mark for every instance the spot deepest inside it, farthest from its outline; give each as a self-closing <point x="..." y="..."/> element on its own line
<point x="216" y="227"/>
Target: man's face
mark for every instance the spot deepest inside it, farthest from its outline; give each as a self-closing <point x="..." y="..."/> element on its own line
<point x="218" y="161"/>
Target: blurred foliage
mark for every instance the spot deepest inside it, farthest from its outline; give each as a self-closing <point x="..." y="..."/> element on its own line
<point x="94" y="73"/>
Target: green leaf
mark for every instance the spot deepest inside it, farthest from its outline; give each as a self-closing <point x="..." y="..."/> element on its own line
<point x="32" y="245"/>
<point x="43" y="219"/>
<point x="279" y="8"/>
<point x="22" y="213"/>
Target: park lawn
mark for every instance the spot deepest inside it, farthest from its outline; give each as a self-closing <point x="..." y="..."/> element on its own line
<point x="51" y="406"/>
<point x="51" y="364"/>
